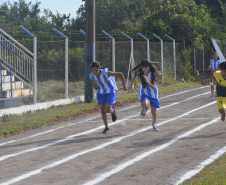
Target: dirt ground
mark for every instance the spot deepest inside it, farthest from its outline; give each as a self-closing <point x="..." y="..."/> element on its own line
<point x="132" y="153"/>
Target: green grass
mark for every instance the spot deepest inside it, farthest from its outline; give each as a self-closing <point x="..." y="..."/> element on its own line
<point x="50" y="90"/>
<point x="54" y="90"/>
<point x="14" y="124"/>
<point x="212" y="174"/>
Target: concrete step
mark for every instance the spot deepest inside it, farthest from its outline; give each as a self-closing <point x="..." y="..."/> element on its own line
<point x="15" y="85"/>
<point x="6" y="78"/>
<point x="15" y="102"/>
<point x="4" y="72"/>
<point x="16" y="93"/>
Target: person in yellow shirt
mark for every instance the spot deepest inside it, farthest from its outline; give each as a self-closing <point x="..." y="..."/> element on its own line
<point x="220" y="77"/>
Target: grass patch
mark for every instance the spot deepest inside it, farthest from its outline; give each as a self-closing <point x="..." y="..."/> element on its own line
<point x="54" y="90"/>
<point x="212" y="174"/>
<point x="14" y="124"/>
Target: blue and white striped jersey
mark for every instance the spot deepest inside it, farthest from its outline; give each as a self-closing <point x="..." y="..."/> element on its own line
<point x="106" y="83"/>
<point x="214" y="64"/>
<point x="148" y="91"/>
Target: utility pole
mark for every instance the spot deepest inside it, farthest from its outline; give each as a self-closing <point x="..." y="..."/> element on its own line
<point x="90" y="49"/>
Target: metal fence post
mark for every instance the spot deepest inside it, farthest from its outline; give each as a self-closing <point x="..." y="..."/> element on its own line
<point x="174" y="56"/>
<point x="113" y="55"/>
<point x="66" y="60"/>
<point x="35" y="69"/>
<point x="66" y="68"/>
<point x="113" y="50"/>
<point x="35" y="62"/>
<point x="148" y="50"/>
<point x="131" y="57"/>
<point x="161" y="41"/>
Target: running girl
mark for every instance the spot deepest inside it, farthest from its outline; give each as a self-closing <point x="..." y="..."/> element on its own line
<point x="105" y="85"/>
<point x="148" y="91"/>
<point x="214" y="66"/>
<point x="220" y="77"/>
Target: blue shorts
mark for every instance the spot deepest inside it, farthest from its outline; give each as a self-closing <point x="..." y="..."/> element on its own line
<point x="109" y="98"/>
<point x="154" y="102"/>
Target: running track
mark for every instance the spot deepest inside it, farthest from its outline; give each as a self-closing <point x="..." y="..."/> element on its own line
<point x="76" y="152"/>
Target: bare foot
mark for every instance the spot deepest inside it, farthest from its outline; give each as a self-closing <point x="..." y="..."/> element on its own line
<point x="223" y="117"/>
<point x="215" y="95"/>
<point x="211" y="96"/>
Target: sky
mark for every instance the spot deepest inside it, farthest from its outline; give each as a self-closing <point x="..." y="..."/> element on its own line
<point x="62" y="6"/>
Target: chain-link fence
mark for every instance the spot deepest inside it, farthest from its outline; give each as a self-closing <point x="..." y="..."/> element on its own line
<point x="51" y="62"/>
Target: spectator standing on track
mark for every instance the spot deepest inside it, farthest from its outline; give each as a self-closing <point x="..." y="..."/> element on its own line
<point x="104" y="83"/>
<point x="220" y="77"/>
<point x="148" y="91"/>
<point x="214" y="66"/>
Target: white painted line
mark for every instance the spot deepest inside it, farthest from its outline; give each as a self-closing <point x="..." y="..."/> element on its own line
<point x="165" y="97"/>
<point x="95" y="129"/>
<point x="38" y="106"/>
<point x="46" y="132"/>
<point x="146" y="154"/>
<point x="52" y="130"/>
<point x="35" y="172"/>
<point x="145" y="119"/>
<point x="183" y="92"/>
<point x="201" y="166"/>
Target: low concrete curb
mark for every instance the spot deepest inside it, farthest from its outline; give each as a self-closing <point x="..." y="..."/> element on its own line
<point x="39" y="106"/>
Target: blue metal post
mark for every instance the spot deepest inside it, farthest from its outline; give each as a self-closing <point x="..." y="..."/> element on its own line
<point x="35" y="62"/>
<point x="11" y="82"/>
<point x="1" y="76"/>
<point x="113" y="50"/>
<point x="81" y="31"/>
<point x="174" y="56"/>
<point x="161" y="41"/>
<point x="131" y="57"/>
<point x="66" y="60"/>
<point x="10" y="77"/>
<point x="148" y="50"/>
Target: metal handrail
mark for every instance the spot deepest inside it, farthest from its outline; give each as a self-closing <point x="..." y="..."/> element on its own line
<point x="16" y="42"/>
<point x="18" y="60"/>
<point x="16" y="47"/>
<point x="10" y="77"/>
<point x="16" y="54"/>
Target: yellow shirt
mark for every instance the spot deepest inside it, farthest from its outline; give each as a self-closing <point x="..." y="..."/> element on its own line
<point x="221" y="84"/>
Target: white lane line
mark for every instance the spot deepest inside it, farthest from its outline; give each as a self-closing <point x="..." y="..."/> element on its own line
<point x="88" y="132"/>
<point x="46" y="132"/>
<point x="52" y="130"/>
<point x="183" y="92"/>
<point x="145" y="119"/>
<point x="35" y="172"/>
<point x="201" y="166"/>
<point x="146" y="154"/>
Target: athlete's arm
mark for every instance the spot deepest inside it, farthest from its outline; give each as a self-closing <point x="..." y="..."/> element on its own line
<point x="134" y="78"/>
<point x="121" y="76"/>
<point x="152" y="86"/>
<point x="95" y="85"/>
